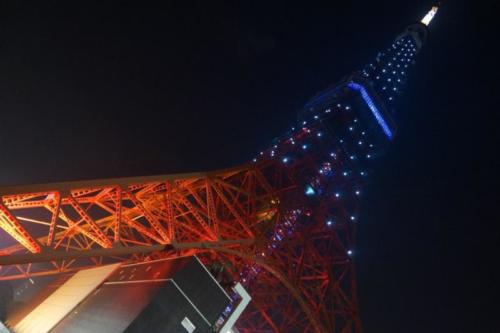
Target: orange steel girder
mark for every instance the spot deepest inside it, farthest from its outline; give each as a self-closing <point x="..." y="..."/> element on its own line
<point x="303" y="284"/>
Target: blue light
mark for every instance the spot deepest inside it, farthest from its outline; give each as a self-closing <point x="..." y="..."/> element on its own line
<point x="285" y="159"/>
<point x="337" y="195"/>
<point x="349" y="252"/>
<point x="304" y="147"/>
<point x="318" y="134"/>
<point x="309" y="190"/>
<point x="329" y="223"/>
<point x="372" y="107"/>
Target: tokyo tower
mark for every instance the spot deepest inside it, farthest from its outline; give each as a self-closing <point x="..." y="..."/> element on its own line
<point x="282" y="226"/>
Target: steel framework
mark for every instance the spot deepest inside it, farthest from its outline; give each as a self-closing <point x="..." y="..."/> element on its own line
<point x="254" y="220"/>
<point x="283" y="225"/>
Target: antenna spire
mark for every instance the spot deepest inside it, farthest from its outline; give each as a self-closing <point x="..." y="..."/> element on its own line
<point x="430" y="15"/>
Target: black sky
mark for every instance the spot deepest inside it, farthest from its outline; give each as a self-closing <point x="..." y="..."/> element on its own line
<point x="101" y="89"/>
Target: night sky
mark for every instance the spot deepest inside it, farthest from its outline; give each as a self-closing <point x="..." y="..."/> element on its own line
<point x="95" y="90"/>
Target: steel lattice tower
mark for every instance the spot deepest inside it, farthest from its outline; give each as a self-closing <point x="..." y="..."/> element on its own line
<point x="283" y="225"/>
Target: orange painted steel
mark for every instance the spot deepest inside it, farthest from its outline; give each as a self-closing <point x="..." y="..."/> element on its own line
<point x="304" y="283"/>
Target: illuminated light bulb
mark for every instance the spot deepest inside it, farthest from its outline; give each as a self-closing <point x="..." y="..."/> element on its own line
<point x="309" y="190"/>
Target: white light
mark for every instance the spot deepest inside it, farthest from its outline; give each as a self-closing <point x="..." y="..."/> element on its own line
<point x="304" y="146"/>
<point x="285" y="159"/>
<point x="337" y="195"/>
<point x="429" y="16"/>
<point x="344" y="173"/>
<point x="349" y="252"/>
<point x="358" y="193"/>
<point x="329" y="223"/>
<point x="318" y="134"/>
<point x="352" y="217"/>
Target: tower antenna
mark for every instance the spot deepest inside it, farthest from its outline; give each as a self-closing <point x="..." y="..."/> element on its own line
<point x="430" y="15"/>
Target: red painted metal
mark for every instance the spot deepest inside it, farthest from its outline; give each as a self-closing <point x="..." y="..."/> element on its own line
<point x="303" y="283"/>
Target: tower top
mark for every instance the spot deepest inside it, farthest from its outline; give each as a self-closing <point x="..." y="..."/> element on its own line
<point x="429" y="16"/>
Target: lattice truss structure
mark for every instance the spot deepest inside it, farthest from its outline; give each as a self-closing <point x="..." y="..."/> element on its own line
<point x="260" y="222"/>
<point x="282" y="225"/>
